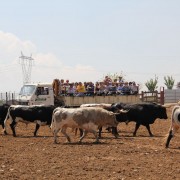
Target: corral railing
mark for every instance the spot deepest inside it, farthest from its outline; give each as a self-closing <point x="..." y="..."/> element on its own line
<point x="154" y="96"/>
<point x="158" y="97"/>
<point x="8" y="98"/>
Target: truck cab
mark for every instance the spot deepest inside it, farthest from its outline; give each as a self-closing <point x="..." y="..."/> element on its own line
<point x="36" y="94"/>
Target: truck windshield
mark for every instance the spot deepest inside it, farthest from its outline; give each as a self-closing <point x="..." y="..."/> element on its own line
<point x="27" y="90"/>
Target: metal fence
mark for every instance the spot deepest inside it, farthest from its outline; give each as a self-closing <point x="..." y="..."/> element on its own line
<point x="172" y="95"/>
<point x="8" y="98"/>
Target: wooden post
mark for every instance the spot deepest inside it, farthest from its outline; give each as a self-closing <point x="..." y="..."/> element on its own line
<point x="6" y="97"/>
<point x="142" y="94"/>
<point x="156" y="97"/>
<point x="161" y="95"/>
<point x="12" y="101"/>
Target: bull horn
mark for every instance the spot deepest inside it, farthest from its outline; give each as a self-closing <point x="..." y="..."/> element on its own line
<point x="169" y="105"/>
<point x="123" y="111"/>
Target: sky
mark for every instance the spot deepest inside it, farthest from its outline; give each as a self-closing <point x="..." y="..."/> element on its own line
<point x="83" y="40"/>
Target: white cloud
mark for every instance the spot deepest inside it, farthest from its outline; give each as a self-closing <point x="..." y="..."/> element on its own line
<point x="46" y="66"/>
<point x="48" y="59"/>
<point x="11" y="46"/>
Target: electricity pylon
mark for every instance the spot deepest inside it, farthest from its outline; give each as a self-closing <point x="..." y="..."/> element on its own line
<point x="26" y="63"/>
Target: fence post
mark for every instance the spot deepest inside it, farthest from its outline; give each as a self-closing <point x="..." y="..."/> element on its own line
<point x="142" y="93"/>
<point x="12" y="101"/>
<point x="6" y="97"/>
<point x="162" y="95"/>
<point x="156" y="97"/>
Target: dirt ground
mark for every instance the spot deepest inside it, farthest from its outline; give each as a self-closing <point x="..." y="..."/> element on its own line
<point x="128" y="157"/>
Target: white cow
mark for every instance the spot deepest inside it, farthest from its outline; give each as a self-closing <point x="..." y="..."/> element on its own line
<point x="87" y="118"/>
<point x="175" y="124"/>
<point x="108" y="107"/>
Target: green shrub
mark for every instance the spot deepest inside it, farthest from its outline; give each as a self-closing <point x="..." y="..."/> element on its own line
<point x="152" y="84"/>
<point x="169" y="82"/>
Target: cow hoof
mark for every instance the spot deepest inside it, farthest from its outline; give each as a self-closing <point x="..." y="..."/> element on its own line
<point x="68" y="139"/>
<point x="5" y="133"/>
<point x="116" y="136"/>
<point x="96" y="142"/>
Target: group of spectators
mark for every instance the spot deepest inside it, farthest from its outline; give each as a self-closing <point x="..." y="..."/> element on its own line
<point x="102" y="88"/>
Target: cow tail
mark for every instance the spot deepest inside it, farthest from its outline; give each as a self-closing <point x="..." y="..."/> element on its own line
<point x="170" y="132"/>
<point x="172" y="118"/>
<point x="52" y="123"/>
<point x="5" y="121"/>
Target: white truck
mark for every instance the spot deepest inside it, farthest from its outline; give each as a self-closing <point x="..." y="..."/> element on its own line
<point x="36" y="94"/>
<point x="46" y="93"/>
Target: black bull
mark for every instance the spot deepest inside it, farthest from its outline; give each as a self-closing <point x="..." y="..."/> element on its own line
<point x="143" y="114"/>
<point x="40" y="114"/>
<point x="3" y="113"/>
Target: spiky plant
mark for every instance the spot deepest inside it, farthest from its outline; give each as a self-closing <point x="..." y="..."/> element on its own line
<point x="114" y="76"/>
<point x="152" y="84"/>
<point x="169" y="82"/>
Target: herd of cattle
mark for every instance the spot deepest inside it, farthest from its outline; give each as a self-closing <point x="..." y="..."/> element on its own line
<point x="89" y="118"/>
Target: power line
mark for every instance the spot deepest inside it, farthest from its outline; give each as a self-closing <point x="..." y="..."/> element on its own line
<point x="13" y="67"/>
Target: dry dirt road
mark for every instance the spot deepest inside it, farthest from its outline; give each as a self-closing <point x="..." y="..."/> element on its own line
<point x="141" y="157"/>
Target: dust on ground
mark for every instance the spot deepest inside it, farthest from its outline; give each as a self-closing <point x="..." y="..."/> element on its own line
<point x="128" y="157"/>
